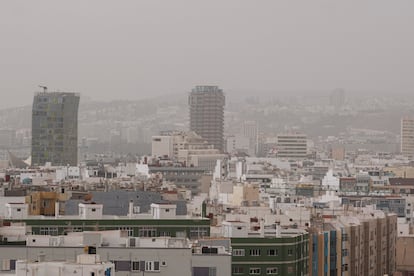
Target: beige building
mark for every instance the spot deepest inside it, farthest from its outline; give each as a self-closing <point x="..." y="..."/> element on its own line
<point x="401" y="171"/>
<point x="362" y="242"/>
<point x="405" y="256"/>
<point x="407" y="137"/>
<point x="187" y="148"/>
<point x="245" y="195"/>
<point x="338" y="153"/>
<point x="44" y="203"/>
<point x="370" y="243"/>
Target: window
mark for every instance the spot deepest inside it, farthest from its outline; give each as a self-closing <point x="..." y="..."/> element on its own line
<point x="238" y="252"/>
<point x="93" y="210"/>
<point x="122" y="265"/>
<point x="238" y="270"/>
<point x="272" y="271"/>
<point x="147" y="232"/>
<point x="290" y="252"/>
<point x="152" y="266"/>
<point x="272" y="252"/>
<point x="254" y="271"/>
<point x="53" y="231"/>
<point x="167" y="210"/>
<point x="135" y="266"/>
<point x="18" y="209"/>
<point x="254" y="252"/>
<point x="198" y="232"/>
<point x="204" y="271"/>
<point x="129" y="230"/>
<point x="164" y="234"/>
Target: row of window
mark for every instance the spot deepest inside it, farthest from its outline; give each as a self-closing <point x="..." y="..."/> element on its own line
<point x="195" y="232"/>
<point x="153" y="266"/>
<point x="257" y="252"/>
<point x="258" y="270"/>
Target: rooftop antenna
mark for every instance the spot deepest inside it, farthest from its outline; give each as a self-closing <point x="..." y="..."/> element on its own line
<point x="44" y="88"/>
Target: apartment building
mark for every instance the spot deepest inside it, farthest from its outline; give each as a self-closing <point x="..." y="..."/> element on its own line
<point x="206" y="104"/>
<point x="407" y="137"/>
<point x="283" y="255"/>
<point x="357" y="243"/>
<point x="55" y="128"/>
<point x="123" y="254"/>
<point x="292" y="146"/>
<point x="162" y="221"/>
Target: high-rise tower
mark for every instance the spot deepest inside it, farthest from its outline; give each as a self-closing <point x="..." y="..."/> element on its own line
<point x="207" y="114"/>
<point x="407" y="137"/>
<point x="55" y="128"/>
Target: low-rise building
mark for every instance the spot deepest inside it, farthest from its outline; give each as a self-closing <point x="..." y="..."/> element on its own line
<point x="90" y="218"/>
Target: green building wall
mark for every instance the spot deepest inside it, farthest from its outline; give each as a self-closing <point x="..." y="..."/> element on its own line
<point x="153" y="228"/>
<point x="291" y="258"/>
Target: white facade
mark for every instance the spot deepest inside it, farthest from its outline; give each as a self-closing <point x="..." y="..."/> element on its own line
<point x="162" y="146"/>
<point x="330" y="182"/>
<point x="63" y="173"/>
<point x="163" y="211"/>
<point x="85" y="265"/>
<point x="292" y="146"/>
<point x="235" y="229"/>
<point x="16" y="211"/>
<point x="9" y="199"/>
<point x="155" y="255"/>
<point x="14" y="232"/>
<point x="90" y="211"/>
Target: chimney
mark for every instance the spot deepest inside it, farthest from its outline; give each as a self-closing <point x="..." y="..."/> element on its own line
<point x="131" y="209"/>
<point x="57" y="207"/>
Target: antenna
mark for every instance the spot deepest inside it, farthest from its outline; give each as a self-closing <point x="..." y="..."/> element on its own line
<point x="44" y="88"/>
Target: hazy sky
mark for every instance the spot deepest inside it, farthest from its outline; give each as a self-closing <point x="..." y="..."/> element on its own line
<point x="133" y="49"/>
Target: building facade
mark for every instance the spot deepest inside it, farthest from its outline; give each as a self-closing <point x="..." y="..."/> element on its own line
<point x="292" y="146"/>
<point x="55" y="128"/>
<point x="357" y="244"/>
<point x="407" y="137"/>
<point x="270" y="255"/>
<point x="123" y="255"/>
<point x="206" y="104"/>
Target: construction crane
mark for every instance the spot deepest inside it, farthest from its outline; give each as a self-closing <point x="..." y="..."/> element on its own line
<point x="44" y="88"/>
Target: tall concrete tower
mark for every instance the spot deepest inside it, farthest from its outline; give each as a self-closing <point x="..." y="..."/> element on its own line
<point x="55" y="128"/>
<point x="407" y="137"/>
<point x="207" y="114"/>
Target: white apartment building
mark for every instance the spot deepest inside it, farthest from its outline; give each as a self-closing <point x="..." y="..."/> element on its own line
<point x="292" y="146"/>
<point x="121" y="254"/>
<point x="86" y="264"/>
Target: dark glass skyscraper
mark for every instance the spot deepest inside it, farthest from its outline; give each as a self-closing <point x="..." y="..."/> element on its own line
<point x="207" y="114"/>
<point x="55" y="128"/>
